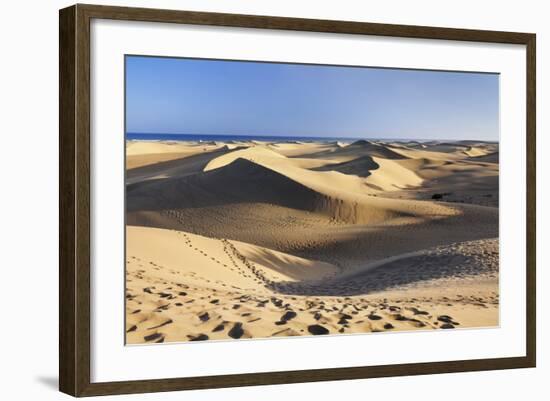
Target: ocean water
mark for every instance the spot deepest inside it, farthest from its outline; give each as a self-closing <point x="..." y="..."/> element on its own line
<point x="226" y="138"/>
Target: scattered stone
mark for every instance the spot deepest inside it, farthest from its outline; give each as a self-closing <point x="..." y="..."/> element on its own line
<point x="317" y="329"/>
<point x="277" y="302"/>
<point x="288" y="316"/>
<point x="200" y="337"/>
<point x="236" y="331"/>
<point x="219" y="327"/>
<point x="388" y="326"/>
<point x="204" y="317"/>
<point x="418" y="311"/>
<point x="447" y="319"/>
<point x="133" y="328"/>
<point x="153" y="336"/>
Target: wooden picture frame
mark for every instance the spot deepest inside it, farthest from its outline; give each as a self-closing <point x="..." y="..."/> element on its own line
<point x="74" y="205"/>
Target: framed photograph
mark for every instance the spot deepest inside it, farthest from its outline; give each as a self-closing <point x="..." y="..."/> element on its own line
<point x="250" y="200"/>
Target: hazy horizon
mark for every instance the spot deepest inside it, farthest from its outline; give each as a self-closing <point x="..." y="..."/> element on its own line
<point x="294" y="137"/>
<point x="176" y="96"/>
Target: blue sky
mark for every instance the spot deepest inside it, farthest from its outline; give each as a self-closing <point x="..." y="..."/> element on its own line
<point x="190" y="96"/>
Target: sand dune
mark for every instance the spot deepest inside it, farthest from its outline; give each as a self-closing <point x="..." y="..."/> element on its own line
<point x="339" y="196"/>
<point x="310" y="238"/>
<point x="358" y="149"/>
<point x="191" y="162"/>
<point x="261" y="185"/>
<point x="252" y="154"/>
<point x="362" y="166"/>
<point x="393" y="175"/>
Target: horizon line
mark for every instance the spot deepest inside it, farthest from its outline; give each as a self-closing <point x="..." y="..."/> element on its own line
<point x="315" y="137"/>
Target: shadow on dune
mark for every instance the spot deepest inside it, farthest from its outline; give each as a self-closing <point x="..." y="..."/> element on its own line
<point x="240" y="181"/>
<point x="186" y="164"/>
<point x="244" y="181"/>
<point x="399" y="273"/>
<point x="360" y="167"/>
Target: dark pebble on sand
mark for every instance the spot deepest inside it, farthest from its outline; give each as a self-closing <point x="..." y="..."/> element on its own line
<point x="317" y="329"/>
<point x="277" y="302"/>
<point x="219" y="327"/>
<point x="200" y="337"/>
<point x="447" y="326"/>
<point x="419" y="312"/>
<point x="374" y="317"/>
<point x="445" y="319"/>
<point x="236" y="331"/>
<point x="204" y="317"/>
<point x="288" y="315"/>
<point x="153" y="336"/>
<point x="133" y="328"/>
<point x="388" y="326"/>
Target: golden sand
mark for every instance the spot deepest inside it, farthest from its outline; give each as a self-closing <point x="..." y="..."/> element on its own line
<point x="253" y="239"/>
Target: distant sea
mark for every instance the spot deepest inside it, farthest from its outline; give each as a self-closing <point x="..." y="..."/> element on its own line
<point x="237" y="138"/>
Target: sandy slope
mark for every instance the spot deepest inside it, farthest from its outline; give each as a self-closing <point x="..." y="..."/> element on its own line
<point x="310" y="225"/>
<point x="182" y="287"/>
